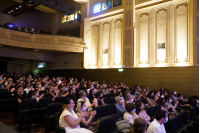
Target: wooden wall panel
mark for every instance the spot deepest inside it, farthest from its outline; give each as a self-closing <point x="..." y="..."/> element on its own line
<point x="183" y="79"/>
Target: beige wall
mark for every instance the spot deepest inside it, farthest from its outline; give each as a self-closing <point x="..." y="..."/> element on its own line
<point x="68" y="61"/>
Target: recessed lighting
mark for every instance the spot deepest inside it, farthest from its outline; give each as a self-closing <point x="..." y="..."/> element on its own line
<point x="8" y="12"/>
<point x="30" y="1"/>
<point x="16" y="8"/>
<point x="11" y="10"/>
<point x="19" y="6"/>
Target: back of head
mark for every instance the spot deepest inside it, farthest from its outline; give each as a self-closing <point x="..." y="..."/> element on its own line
<point x="160" y="113"/>
<point x="139" y="126"/>
<point x="81" y="92"/>
<point x="129" y="107"/>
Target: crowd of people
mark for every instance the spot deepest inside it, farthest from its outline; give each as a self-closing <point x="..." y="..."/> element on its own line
<point x="78" y="108"/>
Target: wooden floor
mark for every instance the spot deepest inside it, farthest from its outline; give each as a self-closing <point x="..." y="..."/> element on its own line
<point x="7" y="119"/>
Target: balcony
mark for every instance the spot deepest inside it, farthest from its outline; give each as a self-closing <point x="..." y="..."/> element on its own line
<point x="41" y="41"/>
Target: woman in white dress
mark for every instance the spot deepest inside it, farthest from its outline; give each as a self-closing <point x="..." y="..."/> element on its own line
<point x="70" y="120"/>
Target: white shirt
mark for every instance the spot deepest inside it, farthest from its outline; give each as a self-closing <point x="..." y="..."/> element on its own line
<point x="129" y="117"/>
<point x="62" y="121"/>
<point x="155" y="127"/>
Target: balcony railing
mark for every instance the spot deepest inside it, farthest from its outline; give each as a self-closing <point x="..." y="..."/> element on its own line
<point x="41" y="41"/>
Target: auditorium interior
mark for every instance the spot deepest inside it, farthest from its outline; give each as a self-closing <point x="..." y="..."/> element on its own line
<point x="110" y="47"/>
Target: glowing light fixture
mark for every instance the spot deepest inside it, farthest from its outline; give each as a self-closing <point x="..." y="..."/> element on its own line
<point x="11" y="10"/>
<point x="120" y="70"/>
<point x="8" y="12"/>
<point x="20" y="6"/>
<point x="16" y="8"/>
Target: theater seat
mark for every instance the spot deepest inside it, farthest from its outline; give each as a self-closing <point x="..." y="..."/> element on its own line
<point x="24" y="112"/>
<point x="110" y="109"/>
<point x="59" y="100"/>
<point x="172" y="124"/>
<point x="101" y="112"/>
<point x="43" y="103"/>
<point x="112" y="100"/>
<point x="52" y="108"/>
<point x="107" y="125"/>
<point x="151" y="112"/>
<point x="58" y="128"/>
<point x="117" y="117"/>
<point x="106" y="100"/>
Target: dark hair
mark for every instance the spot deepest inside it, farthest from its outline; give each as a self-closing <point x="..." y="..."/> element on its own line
<point x="67" y="101"/>
<point x="193" y="102"/>
<point x="179" y="95"/>
<point x="167" y="98"/>
<point x="138" y="105"/>
<point x="82" y="102"/>
<point x="71" y="89"/>
<point x="98" y="94"/>
<point x="134" y="90"/>
<point x="160" y="113"/>
<point x="118" y="92"/>
<point x="126" y="92"/>
<point x="149" y="94"/>
<point x="91" y="92"/>
<point x="61" y="86"/>
<point x="160" y="101"/>
<point x="139" y="126"/>
<point x="33" y="93"/>
<point x="129" y="107"/>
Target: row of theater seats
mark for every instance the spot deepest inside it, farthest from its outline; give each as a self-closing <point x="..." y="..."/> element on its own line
<point x="47" y="111"/>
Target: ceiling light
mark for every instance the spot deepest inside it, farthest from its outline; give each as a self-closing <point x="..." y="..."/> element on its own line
<point x="16" y="8"/>
<point x="19" y="6"/>
<point x="11" y="10"/>
<point x="30" y="0"/>
<point x="8" y="12"/>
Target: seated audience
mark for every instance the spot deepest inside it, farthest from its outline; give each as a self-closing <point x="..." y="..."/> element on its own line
<point x="98" y="100"/>
<point x="20" y="94"/>
<point x="168" y="104"/>
<point x="139" y="126"/>
<point x="25" y="30"/>
<point x="35" y="95"/>
<point x="127" y="92"/>
<point x="91" y="94"/>
<point x="151" y="101"/>
<point x="130" y="114"/>
<point x="39" y="86"/>
<point x="62" y="91"/>
<point x="70" y="120"/>
<point x="181" y="103"/>
<point x="120" y="105"/>
<point x="164" y="94"/>
<point x="140" y="111"/>
<point x="174" y="96"/>
<point x="51" y="93"/>
<point x="135" y="94"/>
<point x="88" y="119"/>
<point x="157" y="94"/>
<point x="119" y="93"/>
<point x="72" y="94"/>
<point x="161" y="101"/>
<point x="129" y="99"/>
<point x="157" y="125"/>
<point x="83" y="97"/>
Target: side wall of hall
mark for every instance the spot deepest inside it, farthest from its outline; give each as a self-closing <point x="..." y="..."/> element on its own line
<point x="184" y="80"/>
